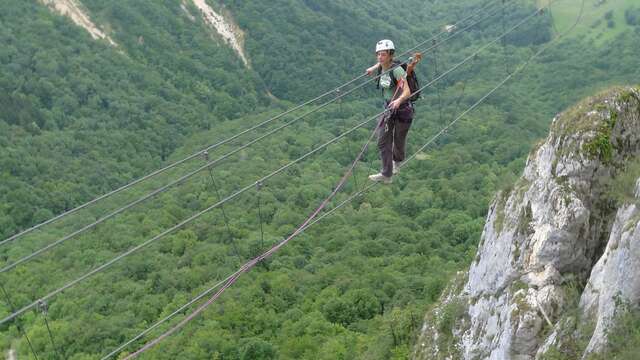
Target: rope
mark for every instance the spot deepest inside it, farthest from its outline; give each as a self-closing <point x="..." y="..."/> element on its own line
<point x="446" y="128"/>
<point x="171" y="166"/>
<point x="553" y="21"/>
<point x="44" y="308"/>
<point x="349" y="147"/>
<point x="200" y="169"/>
<point x="208" y="148"/>
<point x="167" y="318"/>
<point x="179" y="225"/>
<point x="482" y="8"/>
<point x="20" y="328"/>
<point x="458" y="99"/>
<point x="347" y="200"/>
<point x="225" y="218"/>
<point x="313" y="219"/>
<point x="435" y="66"/>
<point x="442" y="131"/>
<point x="246" y="188"/>
<point x="259" y="188"/>
<point x="247" y="266"/>
<point x="504" y="41"/>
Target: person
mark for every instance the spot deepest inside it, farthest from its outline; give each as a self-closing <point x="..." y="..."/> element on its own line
<point x="395" y="122"/>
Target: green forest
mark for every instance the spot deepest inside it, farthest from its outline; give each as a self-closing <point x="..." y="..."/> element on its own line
<point x="81" y="118"/>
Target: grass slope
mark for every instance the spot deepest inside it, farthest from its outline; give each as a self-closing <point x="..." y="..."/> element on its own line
<point x="602" y="20"/>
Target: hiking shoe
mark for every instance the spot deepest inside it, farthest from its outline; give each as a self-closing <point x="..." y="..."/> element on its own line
<point x="380" y="178"/>
<point x="396" y="167"/>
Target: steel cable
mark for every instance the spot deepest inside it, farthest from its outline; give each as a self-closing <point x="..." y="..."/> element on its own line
<point x="208" y="148"/>
<point x="209" y="165"/>
<point x="246" y="188"/>
<point x="309" y="223"/>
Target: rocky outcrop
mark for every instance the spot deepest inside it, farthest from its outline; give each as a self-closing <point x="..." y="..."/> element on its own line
<point x="73" y="10"/>
<point x="225" y="27"/>
<point x="223" y="24"/>
<point x="614" y="280"/>
<point x="557" y="228"/>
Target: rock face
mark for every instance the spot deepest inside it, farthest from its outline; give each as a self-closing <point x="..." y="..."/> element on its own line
<point x="230" y="32"/>
<point x="557" y="229"/>
<point x="615" y="276"/>
<point x="224" y="26"/>
<point x="74" y="10"/>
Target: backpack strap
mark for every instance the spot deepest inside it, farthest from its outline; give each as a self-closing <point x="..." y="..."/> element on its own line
<point x="396" y="63"/>
<point x="394" y="82"/>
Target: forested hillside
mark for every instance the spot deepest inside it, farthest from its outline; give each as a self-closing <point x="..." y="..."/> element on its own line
<point x="81" y="117"/>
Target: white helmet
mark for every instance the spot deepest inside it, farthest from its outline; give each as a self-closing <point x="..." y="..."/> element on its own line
<point x="385" y="45"/>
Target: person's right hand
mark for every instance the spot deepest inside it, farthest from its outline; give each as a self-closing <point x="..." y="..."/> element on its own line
<point x="416" y="58"/>
<point x="371" y="69"/>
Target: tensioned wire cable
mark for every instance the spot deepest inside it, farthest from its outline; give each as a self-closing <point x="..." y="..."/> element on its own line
<point x="206" y="166"/>
<point x="229" y="280"/>
<point x="353" y="196"/>
<point x="463" y="114"/>
<point x="446" y="128"/>
<point x="216" y="145"/>
<point x="44" y="308"/>
<point x="21" y="330"/>
<point x="553" y="22"/>
<point x="231" y="277"/>
<point x="184" y="222"/>
<point x="250" y="264"/>
<point x="234" y="137"/>
<point x="248" y="187"/>
<point x="225" y="219"/>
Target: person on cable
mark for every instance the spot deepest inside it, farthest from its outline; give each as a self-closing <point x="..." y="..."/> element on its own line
<point x="395" y="122"/>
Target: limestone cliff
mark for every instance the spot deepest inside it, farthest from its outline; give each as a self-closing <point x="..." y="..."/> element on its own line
<point x="566" y="225"/>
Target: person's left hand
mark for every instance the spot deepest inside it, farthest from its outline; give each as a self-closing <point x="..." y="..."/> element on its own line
<point x="395" y="104"/>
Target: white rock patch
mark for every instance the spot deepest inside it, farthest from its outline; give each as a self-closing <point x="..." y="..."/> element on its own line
<point x="231" y="34"/>
<point x="72" y="9"/>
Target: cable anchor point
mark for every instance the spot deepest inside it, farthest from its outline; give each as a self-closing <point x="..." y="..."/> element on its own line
<point x="43" y="306"/>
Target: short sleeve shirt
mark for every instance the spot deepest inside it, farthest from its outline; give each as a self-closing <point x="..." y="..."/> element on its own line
<point x="385" y="82"/>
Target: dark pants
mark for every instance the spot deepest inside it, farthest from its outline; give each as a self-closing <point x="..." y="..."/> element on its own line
<point x="392" y="136"/>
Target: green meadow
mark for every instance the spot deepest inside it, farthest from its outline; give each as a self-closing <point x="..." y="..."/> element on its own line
<point x="602" y="20"/>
